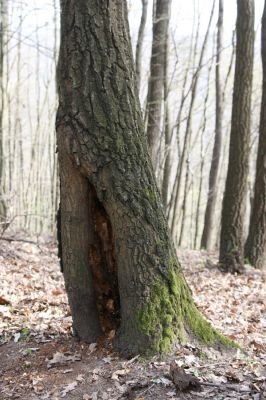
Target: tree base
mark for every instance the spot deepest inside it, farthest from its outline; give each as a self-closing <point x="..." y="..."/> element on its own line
<point x="231" y="263"/>
<point x="169" y="317"/>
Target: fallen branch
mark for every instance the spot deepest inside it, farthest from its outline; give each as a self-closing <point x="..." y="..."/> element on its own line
<point x="184" y="381"/>
<point x="8" y="239"/>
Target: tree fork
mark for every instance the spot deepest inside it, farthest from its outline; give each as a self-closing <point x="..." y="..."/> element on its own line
<point x="112" y="221"/>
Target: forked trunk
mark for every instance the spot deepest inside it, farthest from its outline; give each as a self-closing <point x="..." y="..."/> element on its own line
<point x="120" y="267"/>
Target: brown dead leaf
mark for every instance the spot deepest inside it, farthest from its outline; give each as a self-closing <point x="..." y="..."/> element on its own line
<point x="57" y="291"/>
<point x="182" y="380"/>
<point x="60" y="358"/>
<point x="68" y="388"/>
<point x="3" y="301"/>
<point x="119" y="372"/>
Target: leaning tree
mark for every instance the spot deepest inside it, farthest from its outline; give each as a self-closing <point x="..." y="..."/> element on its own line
<point x="120" y="267"/>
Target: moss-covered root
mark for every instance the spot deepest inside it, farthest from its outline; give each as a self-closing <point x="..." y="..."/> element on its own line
<point x="171" y="315"/>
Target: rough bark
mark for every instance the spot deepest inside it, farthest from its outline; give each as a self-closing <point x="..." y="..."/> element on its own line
<point x="156" y="80"/>
<point x="255" y="248"/>
<point x="231" y="241"/>
<point x="120" y="267"/>
<point x="216" y="155"/>
<point x="140" y="42"/>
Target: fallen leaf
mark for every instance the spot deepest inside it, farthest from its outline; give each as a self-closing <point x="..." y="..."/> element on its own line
<point x="119" y="372"/>
<point x="182" y="380"/>
<point x="107" y="360"/>
<point x="92" y="347"/>
<point x="68" y="388"/>
<point x="60" y="358"/>
<point x="3" y="301"/>
<point x="17" y="337"/>
<point x="80" y="378"/>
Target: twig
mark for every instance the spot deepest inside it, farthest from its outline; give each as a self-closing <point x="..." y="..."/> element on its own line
<point x="8" y="239"/>
<point x="226" y="387"/>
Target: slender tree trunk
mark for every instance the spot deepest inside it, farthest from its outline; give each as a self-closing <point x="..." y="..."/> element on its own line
<point x="156" y="80"/>
<point x="188" y="131"/>
<point x="184" y="204"/>
<point x="140" y="42"/>
<point x="231" y="242"/>
<point x="216" y="155"/>
<point x="176" y="128"/>
<point x="167" y="132"/>
<point x="255" y="248"/>
<point x="120" y="267"/>
<point x="3" y="18"/>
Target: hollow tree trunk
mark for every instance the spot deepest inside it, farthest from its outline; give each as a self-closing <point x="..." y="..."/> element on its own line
<point x="216" y="154"/>
<point x="156" y="80"/>
<point x="120" y="267"/>
<point x="233" y="210"/>
<point x="255" y="248"/>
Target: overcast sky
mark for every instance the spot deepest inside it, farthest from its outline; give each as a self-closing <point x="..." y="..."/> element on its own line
<point x="183" y="11"/>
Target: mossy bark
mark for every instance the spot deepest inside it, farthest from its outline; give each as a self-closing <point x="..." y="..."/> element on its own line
<point x="115" y="242"/>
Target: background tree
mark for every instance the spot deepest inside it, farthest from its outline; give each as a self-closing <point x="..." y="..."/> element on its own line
<point x="213" y="177"/>
<point x="184" y="156"/>
<point x="255" y="247"/>
<point x="3" y="24"/>
<point x="120" y="267"/>
<point x="156" y="79"/>
<point x="140" y="42"/>
<point x="233" y="210"/>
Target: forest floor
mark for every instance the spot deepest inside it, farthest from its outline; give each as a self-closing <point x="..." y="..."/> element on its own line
<point x="39" y="359"/>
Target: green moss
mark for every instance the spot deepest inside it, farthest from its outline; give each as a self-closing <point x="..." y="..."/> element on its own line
<point x="151" y="195"/>
<point x="171" y="315"/>
<point x="120" y="145"/>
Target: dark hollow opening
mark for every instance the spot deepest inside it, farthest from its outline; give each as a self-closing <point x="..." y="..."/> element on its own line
<point x="103" y="266"/>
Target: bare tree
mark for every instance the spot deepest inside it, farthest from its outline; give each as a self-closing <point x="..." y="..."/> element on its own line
<point x="231" y="241"/>
<point x="188" y="129"/>
<point x="156" y="79"/>
<point x="255" y="248"/>
<point x="216" y="155"/>
<point x="140" y="40"/>
<point x="166" y="131"/>
<point x="3" y="18"/>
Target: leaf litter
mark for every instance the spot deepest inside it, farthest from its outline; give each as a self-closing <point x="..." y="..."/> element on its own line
<point x="39" y="359"/>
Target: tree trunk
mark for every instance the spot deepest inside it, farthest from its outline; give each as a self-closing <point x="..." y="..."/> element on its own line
<point x="3" y="17"/>
<point x="231" y="241"/>
<point x="255" y="248"/>
<point x="216" y="155"/>
<point x="140" y="42"/>
<point x="156" y="80"/>
<point x="120" y="267"/>
<point x="188" y="132"/>
<point x="167" y="131"/>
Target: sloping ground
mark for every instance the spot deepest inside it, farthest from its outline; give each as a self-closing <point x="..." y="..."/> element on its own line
<point x="40" y="360"/>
